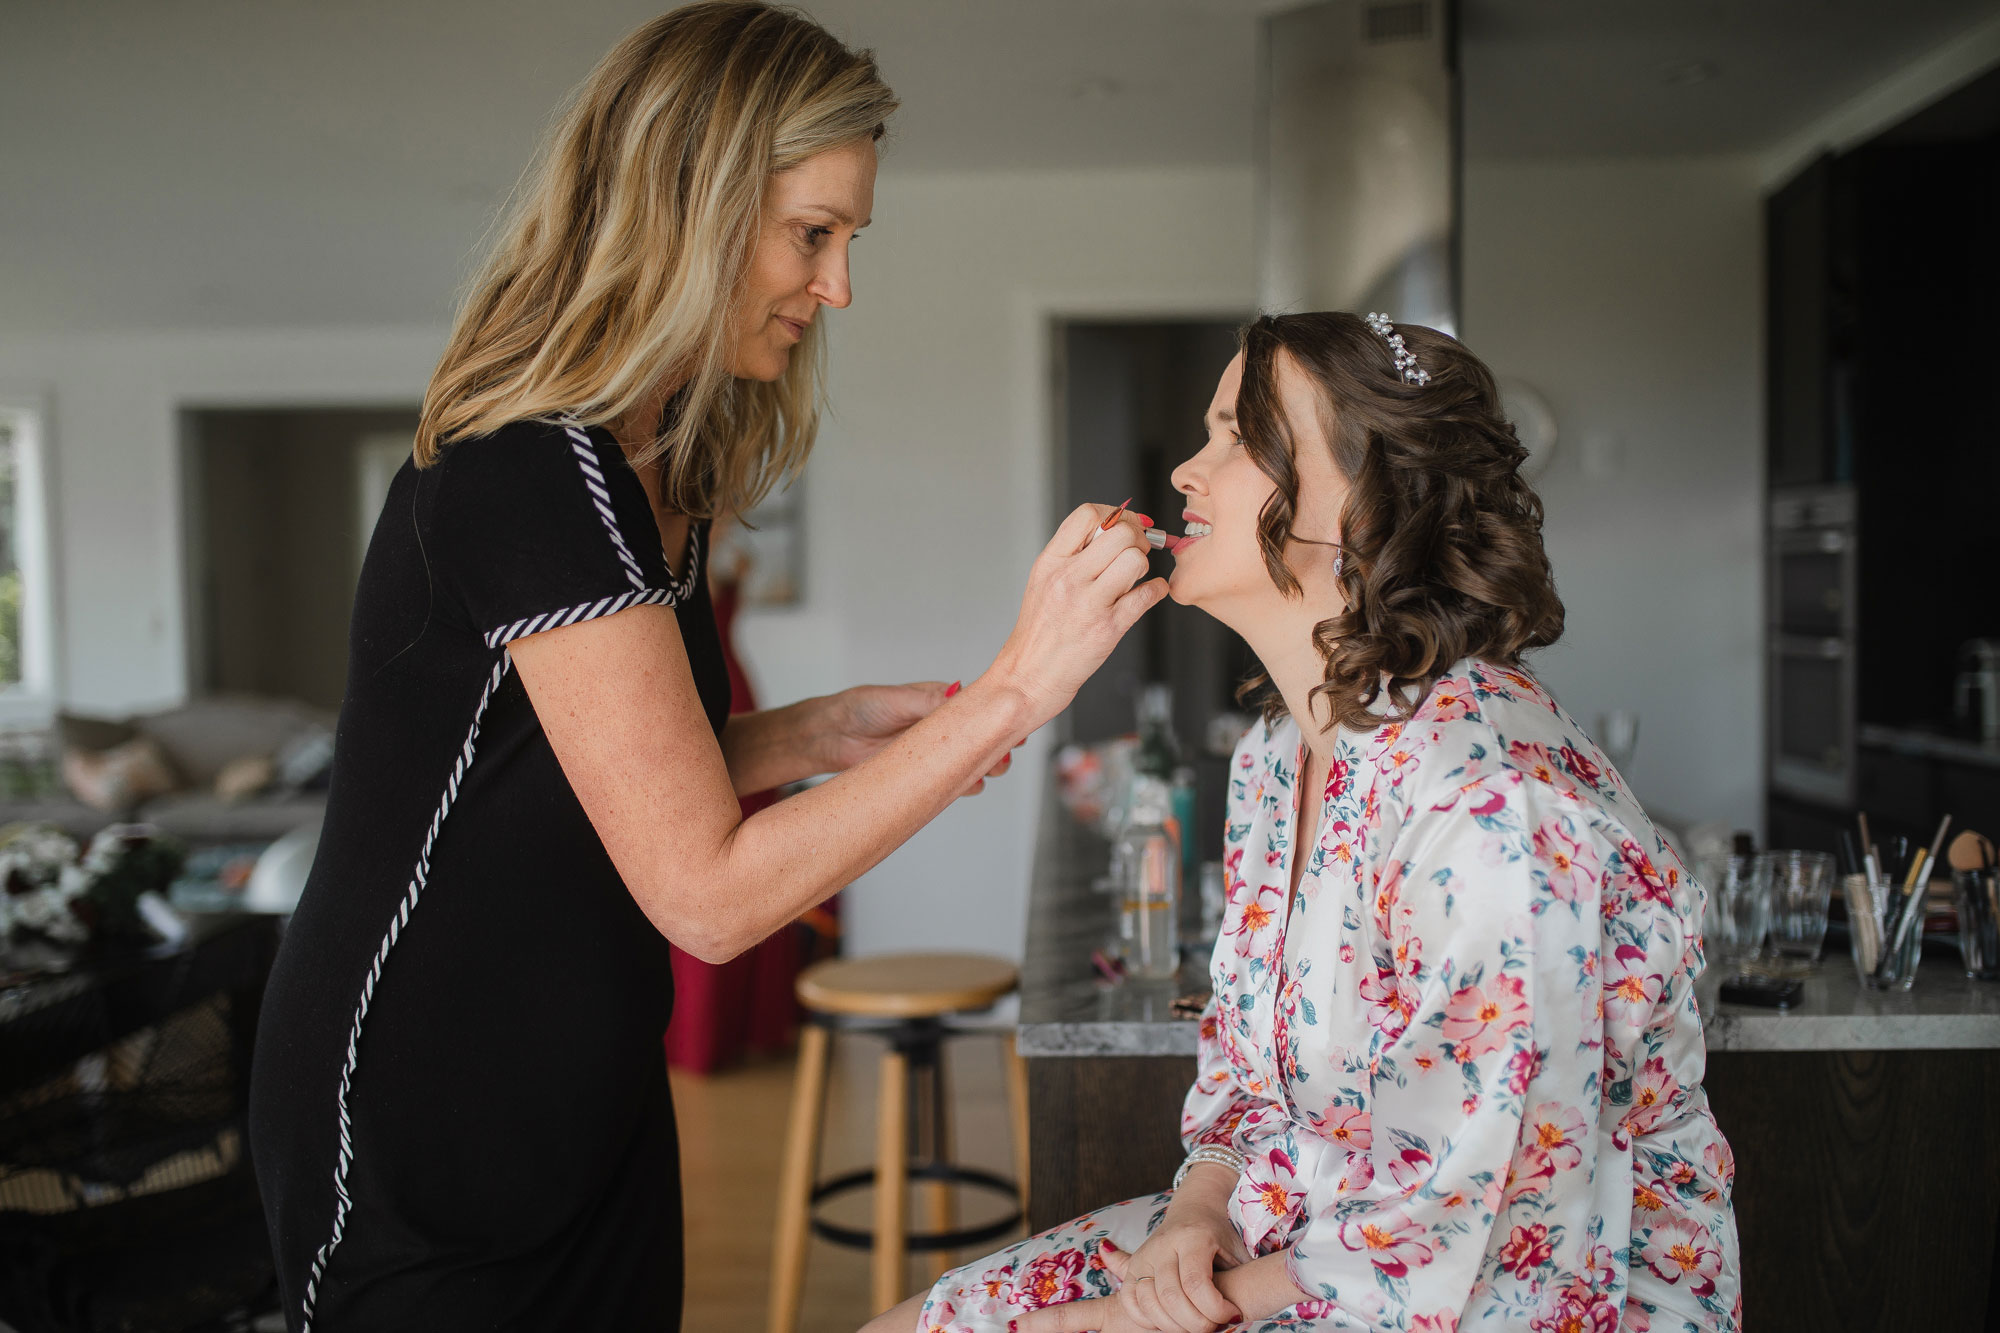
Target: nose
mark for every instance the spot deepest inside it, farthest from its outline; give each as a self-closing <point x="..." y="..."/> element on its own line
<point x="1187" y="478"/>
<point x="830" y="285"/>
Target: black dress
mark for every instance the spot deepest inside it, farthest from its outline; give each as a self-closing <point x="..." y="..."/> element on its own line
<point x="459" y="1107"/>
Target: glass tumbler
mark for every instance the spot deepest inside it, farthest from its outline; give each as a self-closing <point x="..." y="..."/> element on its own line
<point x="1739" y="909"/>
<point x="1896" y="966"/>
<point x="1801" y="889"/>
<point x="1978" y="903"/>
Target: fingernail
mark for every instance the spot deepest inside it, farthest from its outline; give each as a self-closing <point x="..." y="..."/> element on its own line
<point x="953" y="688"/>
<point x="1145" y="519"/>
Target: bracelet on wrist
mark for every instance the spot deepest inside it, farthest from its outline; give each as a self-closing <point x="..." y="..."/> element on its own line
<point x="1213" y="1153"/>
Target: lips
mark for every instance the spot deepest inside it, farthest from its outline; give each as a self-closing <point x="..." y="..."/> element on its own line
<point x="1197" y="528"/>
<point x="796" y="328"/>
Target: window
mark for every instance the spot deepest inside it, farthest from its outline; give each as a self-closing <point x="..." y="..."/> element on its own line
<point x="27" y="648"/>
<point x="10" y="567"/>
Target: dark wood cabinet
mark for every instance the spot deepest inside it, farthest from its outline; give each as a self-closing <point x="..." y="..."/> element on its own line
<point x="1882" y="273"/>
<point x="1798" y="241"/>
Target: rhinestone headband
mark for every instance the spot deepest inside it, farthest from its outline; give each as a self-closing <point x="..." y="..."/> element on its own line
<point x="1406" y="360"/>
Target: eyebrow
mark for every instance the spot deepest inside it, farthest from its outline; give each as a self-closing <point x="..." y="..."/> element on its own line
<point x="1225" y="416"/>
<point x="841" y="216"/>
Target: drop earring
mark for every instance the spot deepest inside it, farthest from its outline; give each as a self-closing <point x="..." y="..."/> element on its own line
<point x="1339" y="563"/>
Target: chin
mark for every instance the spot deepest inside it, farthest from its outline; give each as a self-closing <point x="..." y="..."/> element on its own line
<point x="765" y="366"/>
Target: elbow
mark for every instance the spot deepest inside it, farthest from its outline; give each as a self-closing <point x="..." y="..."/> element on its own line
<point x="707" y="941"/>
<point x="705" y="932"/>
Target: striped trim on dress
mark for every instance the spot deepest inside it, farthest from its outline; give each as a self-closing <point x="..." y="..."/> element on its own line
<point x="342" y="1202"/>
<point x="641" y="595"/>
<point x="520" y="629"/>
<point x="600" y="495"/>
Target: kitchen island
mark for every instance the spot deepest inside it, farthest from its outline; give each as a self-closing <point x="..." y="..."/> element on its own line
<point x="1866" y="1125"/>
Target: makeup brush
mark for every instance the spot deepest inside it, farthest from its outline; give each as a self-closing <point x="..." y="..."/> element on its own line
<point x="1970" y="851"/>
<point x="1871" y="866"/>
<point x="1910" y="903"/>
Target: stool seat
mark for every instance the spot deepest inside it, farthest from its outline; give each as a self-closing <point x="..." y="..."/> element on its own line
<point x="906" y="985"/>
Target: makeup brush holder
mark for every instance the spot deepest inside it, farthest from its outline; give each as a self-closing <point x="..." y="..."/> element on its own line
<point x="1974" y="895"/>
<point x="1866" y="941"/>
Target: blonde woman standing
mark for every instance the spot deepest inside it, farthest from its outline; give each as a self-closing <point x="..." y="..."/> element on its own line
<point x="460" y="1111"/>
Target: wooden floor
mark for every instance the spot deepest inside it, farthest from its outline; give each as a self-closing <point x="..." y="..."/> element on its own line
<point x="732" y="1126"/>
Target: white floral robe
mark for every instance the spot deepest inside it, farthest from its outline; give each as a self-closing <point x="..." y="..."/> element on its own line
<point x="1465" y="1070"/>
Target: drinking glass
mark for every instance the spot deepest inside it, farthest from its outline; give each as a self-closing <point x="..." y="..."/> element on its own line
<point x="1618" y="737"/>
<point x="1801" y="889"/>
<point x="1740" y="909"/>
<point x="1978" y="901"/>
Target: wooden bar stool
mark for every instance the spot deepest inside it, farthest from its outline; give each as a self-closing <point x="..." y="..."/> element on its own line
<point x="906" y="999"/>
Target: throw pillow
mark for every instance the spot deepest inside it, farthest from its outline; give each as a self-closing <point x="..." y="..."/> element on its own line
<point x="243" y="777"/>
<point x="76" y="732"/>
<point x="120" y="778"/>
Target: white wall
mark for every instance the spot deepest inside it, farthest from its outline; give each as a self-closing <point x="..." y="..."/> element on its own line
<point x="1629" y="292"/>
<point x="117" y="525"/>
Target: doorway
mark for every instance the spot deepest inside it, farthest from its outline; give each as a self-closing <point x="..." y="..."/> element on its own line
<point x="279" y="504"/>
<point x="1131" y="398"/>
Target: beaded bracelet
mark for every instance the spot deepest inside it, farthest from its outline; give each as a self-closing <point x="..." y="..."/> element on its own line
<point x="1213" y="1153"/>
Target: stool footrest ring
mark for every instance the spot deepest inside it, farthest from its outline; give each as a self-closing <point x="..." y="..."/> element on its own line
<point x="962" y="1239"/>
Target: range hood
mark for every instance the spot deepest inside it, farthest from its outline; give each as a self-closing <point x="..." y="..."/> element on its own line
<point x="1358" y="160"/>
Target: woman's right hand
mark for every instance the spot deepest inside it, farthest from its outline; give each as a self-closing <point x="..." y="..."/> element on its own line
<point x="1079" y="603"/>
<point x="1178" y="1264"/>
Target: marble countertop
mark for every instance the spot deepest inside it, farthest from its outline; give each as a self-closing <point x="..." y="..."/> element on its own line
<point x="1068" y="1010"/>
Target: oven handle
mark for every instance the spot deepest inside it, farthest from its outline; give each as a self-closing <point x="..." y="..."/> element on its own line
<point x="1815" y="541"/>
<point x="1811" y="646"/>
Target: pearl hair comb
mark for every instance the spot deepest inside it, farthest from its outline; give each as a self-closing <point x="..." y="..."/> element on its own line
<point x="1406" y="360"/>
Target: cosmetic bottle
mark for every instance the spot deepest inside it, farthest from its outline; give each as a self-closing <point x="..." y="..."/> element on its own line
<point x="1148" y="857"/>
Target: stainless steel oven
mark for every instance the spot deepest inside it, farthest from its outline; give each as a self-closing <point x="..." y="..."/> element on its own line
<point x="1811" y="632"/>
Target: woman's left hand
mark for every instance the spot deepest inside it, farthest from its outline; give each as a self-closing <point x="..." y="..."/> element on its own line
<point x="857" y="722"/>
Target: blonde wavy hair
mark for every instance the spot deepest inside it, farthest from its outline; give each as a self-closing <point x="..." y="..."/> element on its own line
<point x="617" y="267"/>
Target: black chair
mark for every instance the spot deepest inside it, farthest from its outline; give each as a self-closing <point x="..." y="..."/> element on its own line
<point x="127" y="1200"/>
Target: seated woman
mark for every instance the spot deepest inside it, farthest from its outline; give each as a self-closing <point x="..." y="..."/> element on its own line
<point x="1451" y="1075"/>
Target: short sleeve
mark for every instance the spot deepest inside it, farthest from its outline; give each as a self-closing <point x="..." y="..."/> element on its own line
<point x="540" y="525"/>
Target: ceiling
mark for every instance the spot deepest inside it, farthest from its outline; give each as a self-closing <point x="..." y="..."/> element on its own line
<point x="228" y="162"/>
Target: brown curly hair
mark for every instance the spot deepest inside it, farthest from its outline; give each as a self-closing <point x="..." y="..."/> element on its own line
<point x="1441" y="537"/>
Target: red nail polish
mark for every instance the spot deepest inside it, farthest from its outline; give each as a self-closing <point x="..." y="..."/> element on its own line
<point x="953" y="688"/>
<point x="1145" y="520"/>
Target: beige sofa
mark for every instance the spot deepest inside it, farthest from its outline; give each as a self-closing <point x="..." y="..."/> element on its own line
<point x="198" y="739"/>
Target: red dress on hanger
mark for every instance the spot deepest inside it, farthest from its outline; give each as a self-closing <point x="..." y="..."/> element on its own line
<point x="724" y="1010"/>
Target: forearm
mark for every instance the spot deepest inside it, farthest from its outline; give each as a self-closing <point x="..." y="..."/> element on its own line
<point x="1260" y="1288"/>
<point x="769" y="748"/>
<point x="799" y="852"/>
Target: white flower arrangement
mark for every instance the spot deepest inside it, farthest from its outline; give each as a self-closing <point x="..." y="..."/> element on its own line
<point x="48" y="889"/>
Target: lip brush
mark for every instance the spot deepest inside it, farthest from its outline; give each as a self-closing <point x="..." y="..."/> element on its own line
<point x="1155" y="537"/>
